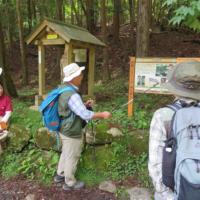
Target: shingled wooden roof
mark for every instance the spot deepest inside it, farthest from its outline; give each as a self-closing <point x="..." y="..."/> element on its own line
<point x="65" y="30"/>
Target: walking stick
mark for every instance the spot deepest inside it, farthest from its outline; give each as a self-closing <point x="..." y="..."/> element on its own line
<point x="99" y="120"/>
<point x="90" y="108"/>
<point x="112" y="113"/>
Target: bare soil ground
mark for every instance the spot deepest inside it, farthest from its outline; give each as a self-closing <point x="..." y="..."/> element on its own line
<point x="18" y="188"/>
<point x="161" y="45"/>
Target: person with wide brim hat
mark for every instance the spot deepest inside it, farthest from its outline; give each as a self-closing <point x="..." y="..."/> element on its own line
<point x="72" y="109"/>
<point x="183" y="81"/>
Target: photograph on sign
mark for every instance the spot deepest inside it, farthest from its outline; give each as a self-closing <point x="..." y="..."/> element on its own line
<point x="148" y="74"/>
<point x="161" y="69"/>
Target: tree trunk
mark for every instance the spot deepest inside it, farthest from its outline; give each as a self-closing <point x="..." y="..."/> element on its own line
<point x="9" y="34"/>
<point x="162" y="15"/>
<point x="160" y="11"/>
<point x="72" y="14"/>
<point x="29" y="15"/>
<point x="90" y="15"/>
<point x="59" y="51"/>
<point x="81" y="17"/>
<point x="156" y="18"/>
<point x="150" y="13"/>
<point x="22" y="46"/>
<point x="130" y="9"/>
<point x="106" y="71"/>
<point x="10" y="40"/>
<point x="5" y="78"/>
<point x="63" y="12"/>
<point x="132" y="29"/>
<point x="178" y="3"/>
<point x="95" y="14"/>
<point x="59" y="5"/>
<point x="154" y="14"/>
<point x="116" y="20"/>
<point x="76" y="13"/>
<point x="34" y="12"/>
<point x="84" y="10"/>
<point x="121" y="13"/>
<point x="142" y="39"/>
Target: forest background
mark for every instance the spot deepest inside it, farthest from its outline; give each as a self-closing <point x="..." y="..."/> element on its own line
<point x="141" y="28"/>
<point x="18" y="18"/>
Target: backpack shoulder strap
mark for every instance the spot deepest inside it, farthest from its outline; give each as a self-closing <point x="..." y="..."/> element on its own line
<point x="175" y="107"/>
<point x="168" y="124"/>
<point x="66" y="89"/>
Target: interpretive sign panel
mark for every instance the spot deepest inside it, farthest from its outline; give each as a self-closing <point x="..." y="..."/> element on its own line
<point x="180" y="60"/>
<point x="149" y="71"/>
<point x="146" y="72"/>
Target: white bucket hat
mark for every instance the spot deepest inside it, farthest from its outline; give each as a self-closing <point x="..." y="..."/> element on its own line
<point x="71" y="71"/>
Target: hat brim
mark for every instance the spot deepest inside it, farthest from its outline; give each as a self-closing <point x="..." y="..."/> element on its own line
<point x="77" y="73"/>
<point x="174" y="88"/>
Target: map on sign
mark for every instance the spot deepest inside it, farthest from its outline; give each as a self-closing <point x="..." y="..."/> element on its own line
<point x="148" y="74"/>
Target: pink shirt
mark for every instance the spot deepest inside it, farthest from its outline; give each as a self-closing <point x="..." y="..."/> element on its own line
<point x="5" y="104"/>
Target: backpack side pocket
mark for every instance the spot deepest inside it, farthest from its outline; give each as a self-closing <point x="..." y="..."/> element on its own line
<point x="169" y="162"/>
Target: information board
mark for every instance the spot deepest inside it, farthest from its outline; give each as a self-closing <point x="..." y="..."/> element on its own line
<point x="149" y="71"/>
<point x="146" y="72"/>
<point x="180" y="60"/>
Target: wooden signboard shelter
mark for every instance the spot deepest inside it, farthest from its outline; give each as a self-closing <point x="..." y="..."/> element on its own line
<point x="55" y="33"/>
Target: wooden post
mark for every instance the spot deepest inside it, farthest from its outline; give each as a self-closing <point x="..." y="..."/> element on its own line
<point x="73" y="57"/>
<point x="41" y="67"/>
<point x="68" y="50"/>
<point x="66" y="59"/>
<point x="131" y="86"/>
<point x="91" y="71"/>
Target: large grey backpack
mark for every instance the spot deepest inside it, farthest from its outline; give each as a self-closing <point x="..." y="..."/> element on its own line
<point x="185" y="130"/>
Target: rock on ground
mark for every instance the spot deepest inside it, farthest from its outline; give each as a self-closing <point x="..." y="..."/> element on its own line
<point x="47" y="139"/>
<point x="30" y="197"/>
<point x="138" y="193"/>
<point x="102" y="134"/>
<point x="107" y="186"/>
<point x="18" y="137"/>
<point x="36" y="108"/>
<point x="99" y="83"/>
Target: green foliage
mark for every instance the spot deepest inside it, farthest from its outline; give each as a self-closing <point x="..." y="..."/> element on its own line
<point x="23" y="115"/>
<point x="32" y="161"/>
<point x="187" y="12"/>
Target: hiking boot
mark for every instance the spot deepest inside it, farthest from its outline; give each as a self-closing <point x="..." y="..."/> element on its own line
<point x="58" y="178"/>
<point x="77" y="186"/>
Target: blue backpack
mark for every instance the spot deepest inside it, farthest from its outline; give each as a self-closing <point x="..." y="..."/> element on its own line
<point x="49" y="109"/>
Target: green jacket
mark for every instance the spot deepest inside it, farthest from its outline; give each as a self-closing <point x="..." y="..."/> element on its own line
<point x="72" y="126"/>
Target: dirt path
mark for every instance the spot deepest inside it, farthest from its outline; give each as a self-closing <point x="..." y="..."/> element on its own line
<point x="18" y="189"/>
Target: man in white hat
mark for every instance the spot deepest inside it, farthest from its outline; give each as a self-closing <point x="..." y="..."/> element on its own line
<point x="184" y="84"/>
<point x="73" y="110"/>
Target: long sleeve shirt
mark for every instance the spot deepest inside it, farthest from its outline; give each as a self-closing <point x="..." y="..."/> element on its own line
<point x="76" y="105"/>
<point x="157" y="139"/>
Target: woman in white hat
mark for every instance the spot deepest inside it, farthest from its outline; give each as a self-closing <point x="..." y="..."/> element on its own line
<point x="72" y="112"/>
